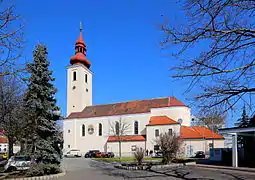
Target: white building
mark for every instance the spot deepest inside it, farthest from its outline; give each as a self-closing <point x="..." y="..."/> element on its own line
<point x="89" y="126"/>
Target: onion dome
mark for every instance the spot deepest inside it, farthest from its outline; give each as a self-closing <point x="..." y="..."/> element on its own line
<point x="80" y="52"/>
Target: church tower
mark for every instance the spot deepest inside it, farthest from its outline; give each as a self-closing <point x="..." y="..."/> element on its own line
<point x="79" y="79"/>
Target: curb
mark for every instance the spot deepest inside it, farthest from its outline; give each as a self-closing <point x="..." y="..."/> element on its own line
<point x="251" y="170"/>
<point x="167" y="166"/>
<point x="40" y="177"/>
<point x="146" y="167"/>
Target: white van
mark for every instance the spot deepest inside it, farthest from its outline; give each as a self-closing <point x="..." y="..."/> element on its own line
<point x="73" y="153"/>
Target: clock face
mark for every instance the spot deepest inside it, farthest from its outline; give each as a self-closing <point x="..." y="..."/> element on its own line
<point x="90" y="129"/>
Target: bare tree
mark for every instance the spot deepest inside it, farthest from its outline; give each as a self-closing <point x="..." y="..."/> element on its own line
<point x="169" y="145"/>
<point x="119" y="129"/>
<point x="11" y="39"/>
<point x="212" y="119"/>
<point x="11" y="109"/>
<point x="139" y="155"/>
<point x="216" y="50"/>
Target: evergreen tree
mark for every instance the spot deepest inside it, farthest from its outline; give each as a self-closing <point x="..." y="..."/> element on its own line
<point x="252" y="121"/>
<point x="45" y="141"/>
<point x="244" y="120"/>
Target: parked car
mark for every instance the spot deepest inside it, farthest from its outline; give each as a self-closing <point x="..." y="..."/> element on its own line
<point x="109" y="154"/>
<point x="200" y="154"/>
<point x="158" y="154"/>
<point x="3" y="162"/>
<point x="3" y="155"/>
<point x="91" y="154"/>
<point x="73" y="153"/>
<point x="19" y="163"/>
<point x="100" y="155"/>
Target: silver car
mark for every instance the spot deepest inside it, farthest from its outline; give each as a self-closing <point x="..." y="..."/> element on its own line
<point x="18" y="163"/>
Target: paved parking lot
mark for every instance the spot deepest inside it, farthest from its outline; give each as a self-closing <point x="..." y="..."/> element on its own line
<point x="86" y="169"/>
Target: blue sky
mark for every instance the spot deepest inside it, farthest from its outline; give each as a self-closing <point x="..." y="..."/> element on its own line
<point x="122" y="40"/>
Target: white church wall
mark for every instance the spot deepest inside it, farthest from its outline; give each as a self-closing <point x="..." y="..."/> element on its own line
<point x="93" y="140"/>
<point x="127" y="147"/>
<point x="175" y="113"/>
<point x="150" y="133"/>
<point x="69" y="135"/>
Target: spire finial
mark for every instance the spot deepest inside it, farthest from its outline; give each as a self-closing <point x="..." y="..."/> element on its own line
<point x="80" y="26"/>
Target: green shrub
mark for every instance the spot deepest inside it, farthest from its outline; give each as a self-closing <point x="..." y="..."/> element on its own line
<point x="43" y="169"/>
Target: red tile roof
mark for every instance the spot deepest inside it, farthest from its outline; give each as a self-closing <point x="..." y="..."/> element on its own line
<point x="161" y="120"/>
<point x="197" y="132"/>
<point x="126" y="138"/>
<point x="3" y="140"/>
<point x="132" y="107"/>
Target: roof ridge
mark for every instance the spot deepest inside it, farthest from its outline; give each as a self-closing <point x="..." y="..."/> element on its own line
<point x="126" y="102"/>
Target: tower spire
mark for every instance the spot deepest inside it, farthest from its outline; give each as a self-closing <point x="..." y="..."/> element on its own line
<point x="80" y="51"/>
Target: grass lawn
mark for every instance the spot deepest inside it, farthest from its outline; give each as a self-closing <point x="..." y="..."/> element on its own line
<point x="126" y="159"/>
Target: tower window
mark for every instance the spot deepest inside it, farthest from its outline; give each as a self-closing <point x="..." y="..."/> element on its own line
<point x="86" y="78"/>
<point x="74" y="76"/>
<point x="156" y="133"/>
<point x="83" y="130"/>
<point x="68" y="146"/>
<point x="100" y="129"/>
<point x="136" y="127"/>
<point x="69" y="131"/>
<point x="87" y="90"/>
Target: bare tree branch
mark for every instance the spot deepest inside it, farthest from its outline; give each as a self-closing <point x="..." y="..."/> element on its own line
<point x="11" y="39"/>
<point x="220" y="36"/>
<point x="118" y="129"/>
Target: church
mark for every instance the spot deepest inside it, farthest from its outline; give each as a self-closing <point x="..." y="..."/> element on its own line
<point x="136" y="123"/>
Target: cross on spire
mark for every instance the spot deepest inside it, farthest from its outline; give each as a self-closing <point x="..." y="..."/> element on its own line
<point x="80" y="26"/>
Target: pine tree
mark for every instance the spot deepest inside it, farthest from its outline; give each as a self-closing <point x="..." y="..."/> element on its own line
<point x="45" y="142"/>
<point x="244" y="120"/>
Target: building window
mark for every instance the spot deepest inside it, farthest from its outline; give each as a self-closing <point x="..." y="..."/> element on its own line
<point x="74" y="76"/>
<point x="136" y="127"/>
<point x="5" y="149"/>
<point x="83" y="130"/>
<point x="156" y="133"/>
<point x="100" y="129"/>
<point x="68" y="146"/>
<point x="86" y="78"/>
<point x="117" y="128"/>
<point x="170" y="132"/>
<point x="69" y="131"/>
<point x="87" y="90"/>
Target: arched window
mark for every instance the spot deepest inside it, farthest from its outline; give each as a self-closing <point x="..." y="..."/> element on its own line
<point x="117" y="128"/>
<point x="86" y="78"/>
<point x="100" y="129"/>
<point x="74" y="76"/>
<point x="136" y="127"/>
<point x="83" y="130"/>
